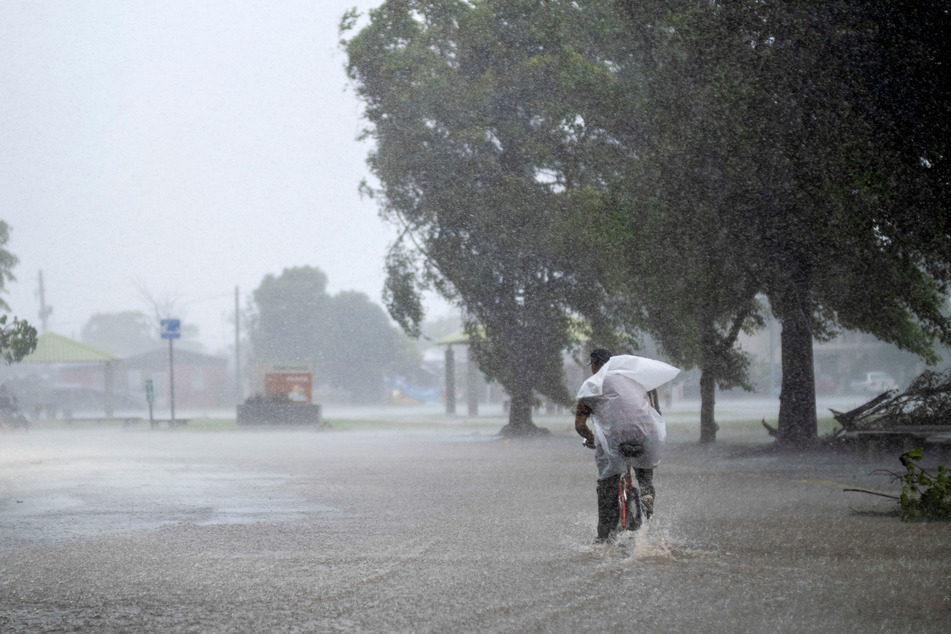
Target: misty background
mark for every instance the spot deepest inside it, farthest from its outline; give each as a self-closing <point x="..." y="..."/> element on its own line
<point x="180" y="149"/>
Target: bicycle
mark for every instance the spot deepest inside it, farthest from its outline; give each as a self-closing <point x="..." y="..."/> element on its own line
<point x="632" y="508"/>
<point x="632" y="513"/>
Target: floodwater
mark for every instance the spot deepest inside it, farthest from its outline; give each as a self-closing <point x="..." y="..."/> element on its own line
<point x="446" y="528"/>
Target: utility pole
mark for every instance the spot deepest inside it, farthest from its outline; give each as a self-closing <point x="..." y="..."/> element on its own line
<point x="171" y="329"/>
<point x="237" y="348"/>
<point x="171" y="383"/>
<point x="45" y="310"/>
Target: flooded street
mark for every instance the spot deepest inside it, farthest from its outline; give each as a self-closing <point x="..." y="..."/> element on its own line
<point x="440" y="528"/>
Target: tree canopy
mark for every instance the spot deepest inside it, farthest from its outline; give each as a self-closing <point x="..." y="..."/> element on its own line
<point x="7" y="262"/>
<point x="124" y="333"/>
<point x="774" y="155"/>
<point x="18" y="338"/>
<point x="460" y="101"/>
<point x="346" y="338"/>
<point x="659" y="166"/>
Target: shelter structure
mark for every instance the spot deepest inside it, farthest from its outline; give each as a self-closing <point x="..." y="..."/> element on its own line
<point x="460" y="338"/>
<point x="54" y="349"/>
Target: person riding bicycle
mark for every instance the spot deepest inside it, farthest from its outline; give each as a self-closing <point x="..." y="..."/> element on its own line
<point x="627" y="428"/>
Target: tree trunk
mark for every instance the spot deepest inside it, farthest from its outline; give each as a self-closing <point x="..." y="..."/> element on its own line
<point x="797" y="425"/>
<point x="708" y="398"/>
<point x="450" y="380"/>
<point x="520" y="415"/>
<point x="708" y="383"/>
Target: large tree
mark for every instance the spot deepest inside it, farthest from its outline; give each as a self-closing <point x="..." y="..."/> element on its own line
<point x="124" y="333"/>
<point x="726" y="149"/>
<point x="670" y="260"/>
<point x="363" y="347"/>
<point x="461" y="101"/>
<point x="839" y="222"/>
<point x="347" y="339"/>
<point x="788" y="148"/>
<point x="287" y="312"/>
<point x="622" y="239"/>
<point x="830" y="178"/>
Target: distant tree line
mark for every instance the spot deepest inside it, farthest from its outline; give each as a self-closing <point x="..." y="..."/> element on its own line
<point x="659" y="168"/>
<point x="347" y="340"/>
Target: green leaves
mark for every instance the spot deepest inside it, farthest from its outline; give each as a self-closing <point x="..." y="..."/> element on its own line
<point x="400" y="293"/>
<point x="466" y="104"/>
<point x="7" y="262"/>
<point x="658" y="166"/>
<point x="924" y="496"/>
<point x="346" y="338"/>
<point x="17" y="340"/>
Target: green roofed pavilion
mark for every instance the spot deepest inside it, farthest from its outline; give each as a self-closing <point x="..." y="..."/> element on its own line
<point x="458" y="337"/>
<point x="53" y="348"/>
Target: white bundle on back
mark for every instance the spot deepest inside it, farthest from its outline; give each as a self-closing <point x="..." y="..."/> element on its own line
<point x="617" y="395"/>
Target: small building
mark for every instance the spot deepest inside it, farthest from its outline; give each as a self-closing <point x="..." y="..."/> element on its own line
<point x="75" y="375"/>
<point x="201" y="380"/>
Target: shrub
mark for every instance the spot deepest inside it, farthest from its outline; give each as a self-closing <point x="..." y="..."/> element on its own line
<point x="924" y="496"/>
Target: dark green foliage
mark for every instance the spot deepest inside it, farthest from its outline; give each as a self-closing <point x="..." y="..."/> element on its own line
<point x="288" y="311"/>
<point x="660" y="167"/>
<point x="463" y="104"/>
<point x="346" y="338"/>
<point x="924" y="495"/>
<point x="7" y="262"/>
<point x="671" y="261"/>
<point x="123" y="333"/>
<point x="777" y="134"/>
<point x="16" y="340"/>
<point x="400" y="294"/>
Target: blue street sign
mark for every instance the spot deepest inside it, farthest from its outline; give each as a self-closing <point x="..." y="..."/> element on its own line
<point x="171" y="329"/>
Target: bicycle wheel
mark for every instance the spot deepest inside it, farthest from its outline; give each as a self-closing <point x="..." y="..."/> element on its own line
<point x="622" y="504"/>
<point x="632" y="515"/>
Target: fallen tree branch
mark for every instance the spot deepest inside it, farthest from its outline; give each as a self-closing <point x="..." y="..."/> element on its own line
<point x="870" y="492"/>
<point x="926" y="402"/>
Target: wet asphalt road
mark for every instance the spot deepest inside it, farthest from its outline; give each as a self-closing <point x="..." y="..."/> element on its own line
<point x="445" y="530"/>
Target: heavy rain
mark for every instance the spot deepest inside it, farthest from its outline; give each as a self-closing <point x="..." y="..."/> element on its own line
<point x="432" y="523"/>
<point x="311" y="316"/>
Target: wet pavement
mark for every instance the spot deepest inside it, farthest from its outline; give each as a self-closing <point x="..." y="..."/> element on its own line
<point x="446" y="528"/>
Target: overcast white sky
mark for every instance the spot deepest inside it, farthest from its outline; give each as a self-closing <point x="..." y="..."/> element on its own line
<point x="188" y="147"/>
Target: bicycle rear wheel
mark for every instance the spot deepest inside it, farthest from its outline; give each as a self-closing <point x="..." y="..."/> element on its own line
<point x="631" y="515"/>
<point x="634" y="513"/>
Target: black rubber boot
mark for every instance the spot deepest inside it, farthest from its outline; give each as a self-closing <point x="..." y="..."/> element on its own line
<point x="645" y="481"/>
<point x="609" y="510"/>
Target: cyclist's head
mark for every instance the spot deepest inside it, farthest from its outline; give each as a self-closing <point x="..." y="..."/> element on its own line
<point x="599" y="357"/>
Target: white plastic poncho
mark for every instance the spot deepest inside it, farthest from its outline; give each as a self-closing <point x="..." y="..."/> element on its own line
<point x="621" y="411"/>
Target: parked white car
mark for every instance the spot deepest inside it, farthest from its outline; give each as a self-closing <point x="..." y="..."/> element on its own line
<point x="874" y="383"/>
